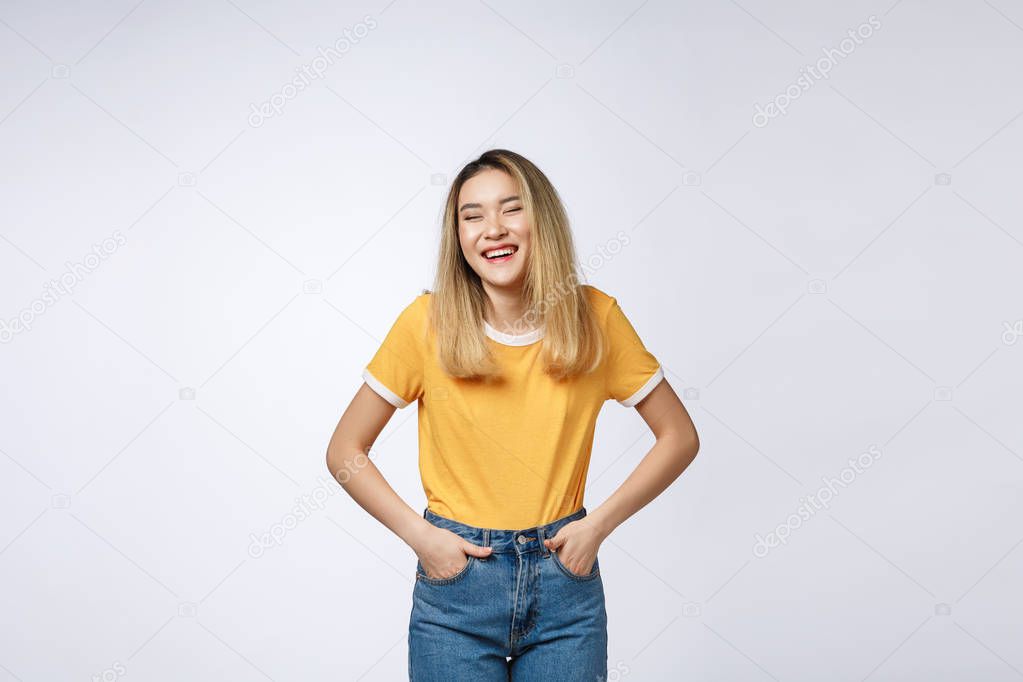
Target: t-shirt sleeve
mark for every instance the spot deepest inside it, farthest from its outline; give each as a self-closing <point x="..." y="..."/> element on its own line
<point x="632" y="370"/>
<point x="396" y="370"/>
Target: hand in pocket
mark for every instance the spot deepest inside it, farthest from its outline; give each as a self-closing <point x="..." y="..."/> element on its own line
<point x="444" y="554"/>
<point x="576" y="544"/>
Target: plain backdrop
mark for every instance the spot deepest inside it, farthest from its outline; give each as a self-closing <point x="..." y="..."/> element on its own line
<point x="209" y="220"/>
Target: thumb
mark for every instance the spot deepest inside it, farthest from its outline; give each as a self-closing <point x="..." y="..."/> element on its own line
<point x="555" y="542"/>
<point x="476" y="550"/>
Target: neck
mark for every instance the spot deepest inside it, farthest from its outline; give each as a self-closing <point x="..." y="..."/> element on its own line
<point x="505" y="309"/>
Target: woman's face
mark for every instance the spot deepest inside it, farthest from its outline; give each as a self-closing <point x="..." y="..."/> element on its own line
<point x="491" y="216"/>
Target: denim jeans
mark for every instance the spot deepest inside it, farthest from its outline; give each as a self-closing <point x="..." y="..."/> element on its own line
<point x="520" y="602"/>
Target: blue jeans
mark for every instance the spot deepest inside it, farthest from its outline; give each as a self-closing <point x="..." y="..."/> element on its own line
<point x="519" y="602"/>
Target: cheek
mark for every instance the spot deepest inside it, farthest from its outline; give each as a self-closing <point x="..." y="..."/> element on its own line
<point x="526" y="241"/>
<point x="465" y="242"/>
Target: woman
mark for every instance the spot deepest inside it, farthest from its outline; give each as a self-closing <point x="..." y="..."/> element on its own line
<point x="509" y="359"/>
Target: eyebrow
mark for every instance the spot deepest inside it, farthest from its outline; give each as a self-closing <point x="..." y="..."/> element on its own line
<point x="502" y="201"/>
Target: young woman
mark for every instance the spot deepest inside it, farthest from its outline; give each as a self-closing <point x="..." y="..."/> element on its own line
<point x="509" y="359"/>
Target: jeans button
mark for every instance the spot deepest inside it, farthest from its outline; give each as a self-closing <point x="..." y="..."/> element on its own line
<point x="523" y="539"/>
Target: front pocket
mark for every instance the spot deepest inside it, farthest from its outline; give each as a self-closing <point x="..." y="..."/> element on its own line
<point x="421" y="573"/>
<point x="594" y="571"/>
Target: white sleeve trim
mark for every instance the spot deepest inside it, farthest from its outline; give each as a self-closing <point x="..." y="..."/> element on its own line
<point x="385" y="393"/>
<point x="645" y="389"/>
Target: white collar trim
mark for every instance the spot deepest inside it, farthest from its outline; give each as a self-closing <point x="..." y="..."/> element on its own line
<point x="532" y="336"/>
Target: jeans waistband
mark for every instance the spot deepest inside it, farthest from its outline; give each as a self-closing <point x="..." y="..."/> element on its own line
<point x="503" y="540"/>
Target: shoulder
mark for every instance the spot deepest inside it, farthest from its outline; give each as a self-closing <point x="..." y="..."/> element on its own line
<point x="420" y="303"/>
<point x="598" y="296"/>
<point x="412" y="316"/>
<point x="600" y="300"/>
<point x="417" y="312"/>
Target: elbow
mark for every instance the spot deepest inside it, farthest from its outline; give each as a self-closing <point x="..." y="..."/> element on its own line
<point x="335" y="457"/>
<point x="684" y="437"/>
<point x="332" y="464"/>
<point x="688" y="447"/>
<point x="332" y="450"/>
<point x="344" y="460"/>
<point x="685" y="444"/>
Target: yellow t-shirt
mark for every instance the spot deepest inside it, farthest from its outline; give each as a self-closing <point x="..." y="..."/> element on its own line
<point x="513" y="454"/>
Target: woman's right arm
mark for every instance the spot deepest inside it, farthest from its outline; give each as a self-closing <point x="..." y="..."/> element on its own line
<point x="349" y="463"/>
<point x="442" y="552"/>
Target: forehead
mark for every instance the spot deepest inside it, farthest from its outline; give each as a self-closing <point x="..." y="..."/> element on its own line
<point x="490" y="185"/>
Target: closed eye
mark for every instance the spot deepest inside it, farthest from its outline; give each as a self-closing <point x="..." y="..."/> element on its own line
<point x="470" y="218"/>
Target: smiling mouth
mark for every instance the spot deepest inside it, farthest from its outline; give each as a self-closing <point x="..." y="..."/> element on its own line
<point x="500" y="255"/>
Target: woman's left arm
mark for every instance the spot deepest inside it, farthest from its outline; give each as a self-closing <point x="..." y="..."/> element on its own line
<point x="676" y="447"/>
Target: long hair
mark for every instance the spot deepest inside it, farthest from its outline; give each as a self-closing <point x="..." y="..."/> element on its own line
<point x="553" y="296"/>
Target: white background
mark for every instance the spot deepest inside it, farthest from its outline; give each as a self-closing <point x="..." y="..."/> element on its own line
<point x="846" y="276"/>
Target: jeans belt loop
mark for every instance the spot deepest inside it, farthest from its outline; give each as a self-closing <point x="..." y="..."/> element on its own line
<point x="543" y="547"/>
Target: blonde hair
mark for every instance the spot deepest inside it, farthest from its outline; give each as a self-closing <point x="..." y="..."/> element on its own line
<point x="572" y="340"/>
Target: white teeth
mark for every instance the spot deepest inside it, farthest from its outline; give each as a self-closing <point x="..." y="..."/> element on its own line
<point x="499" y="252"/>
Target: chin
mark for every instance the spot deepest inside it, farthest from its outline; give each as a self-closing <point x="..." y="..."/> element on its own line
<point x="504" y="281"/>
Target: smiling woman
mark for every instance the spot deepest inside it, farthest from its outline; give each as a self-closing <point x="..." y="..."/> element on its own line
<point x="509" y="359"/>
<point x="503" y="201"/>
<point x="494" y="235"/>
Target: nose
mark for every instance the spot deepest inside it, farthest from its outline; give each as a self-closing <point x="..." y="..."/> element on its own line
<point x="494" y="228"/>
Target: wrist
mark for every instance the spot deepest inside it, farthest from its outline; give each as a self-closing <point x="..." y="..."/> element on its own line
<point x="601" y="523"/>
<point x="415" y="531"/>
